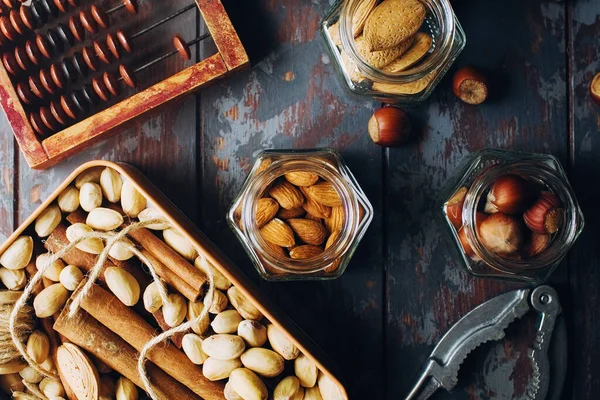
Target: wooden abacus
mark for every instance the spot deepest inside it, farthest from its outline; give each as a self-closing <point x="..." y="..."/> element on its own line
<point x="63" y="88"/>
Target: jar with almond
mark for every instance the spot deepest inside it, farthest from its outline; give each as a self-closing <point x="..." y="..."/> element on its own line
<point x="300" y="214"/>
<point x="512" y="215"/>
<point x="394" y="50"/>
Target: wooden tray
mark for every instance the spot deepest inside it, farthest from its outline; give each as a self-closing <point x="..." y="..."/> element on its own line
<point x="212" y="253"/>
<point x="43" y="153"/>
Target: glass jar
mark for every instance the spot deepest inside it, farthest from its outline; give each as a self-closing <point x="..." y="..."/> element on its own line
<point x="337" y="235"/>
<point x="468" y="203"/>
<point x="414" y="82"/>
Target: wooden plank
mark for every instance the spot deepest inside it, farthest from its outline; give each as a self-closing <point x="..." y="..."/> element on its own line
<point x="298" y="102"/>
<point x="584" y="61"/>
<point x="7" y="180"/>
<point x="427" y="288"/>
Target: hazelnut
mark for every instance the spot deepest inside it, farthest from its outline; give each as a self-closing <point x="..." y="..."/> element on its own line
<point x="454" y="207"/>
<point x="502" y="234"/>
<point x="510" y="194"/>
<point x="389" y="127"/>
<point x="537" y="244"/>
<point x="595" y="88"/>
<point x="470" y="85"/>
<point x="545" y="215"/>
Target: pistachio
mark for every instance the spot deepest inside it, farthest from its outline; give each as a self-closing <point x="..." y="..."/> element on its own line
<point x="18" y="254"/>
<point x="179" y="243"/>
<point x="221" y="282"/>
<point x="91" y="245"/>
<point x="192" y="347"/>
<point x="312" y="393"/>
<point x="306" y="371"/>
<point x="248" y="385"/>
<point x="215" y="370"/>
<point x="287" y="388"/>
<point x="226" y="322"/>
<point x="126" y="390"/>
<point x="89" y="175"/>
<point x="111" y="184"/>
<point x="264" y="362"/>
<point x="31" y="375"/>
<point x="104" y="219"/>
<point x="47" y="221"/>
<point x="230" y="394"/>
<point x="219" y="302"/>
<point x="13" y="279"/>
<point x="53" y="271"/>
<point x="151" y="213"/>
<point x="122" y="250"/>
<point x="52" y="388"/>
<point x="194" y="310"/>
<point x="253" y="332"/>
<point x="50" y="300"/>
<point x="281" y="343"/>
<point x="38" y="346"/>
<point x="243" y="305"/>
<point x="90" y="196"/>
<point x="152" y="300"/>
<point x="68" y="200"/>
<point x="329" y="390"/>
<point x="70" y="277"/>
<point x="174" y="309"/>
<point x="223" y="347"/>
<point x="132" y="201"/>
<point x="123" y="285"/>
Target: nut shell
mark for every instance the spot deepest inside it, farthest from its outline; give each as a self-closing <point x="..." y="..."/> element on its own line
<point x="595" y="88"/>
<point x="510" y="194"/>
<point x="389" y="127"/>
<point x="545" y="216"/>
<point x="470" y="85"/>
<point x="502" y="234"/>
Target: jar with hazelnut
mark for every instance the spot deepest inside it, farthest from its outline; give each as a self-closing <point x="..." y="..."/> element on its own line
<point x="300" y="214"/>
<point x="512" y="215"/>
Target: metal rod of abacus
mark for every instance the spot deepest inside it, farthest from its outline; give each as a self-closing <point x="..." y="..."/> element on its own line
<point x="162" y="21"/>
<point x="96" y="16"/>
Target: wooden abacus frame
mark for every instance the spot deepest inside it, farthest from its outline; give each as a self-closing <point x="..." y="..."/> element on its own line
<point x="43" y="153"/>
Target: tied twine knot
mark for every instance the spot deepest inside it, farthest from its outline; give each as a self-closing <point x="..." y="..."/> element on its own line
<point x="111" y="238"/>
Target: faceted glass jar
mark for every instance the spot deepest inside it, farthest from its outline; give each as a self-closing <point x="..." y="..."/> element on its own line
<point x="411" y="85"/>
<point x="275" y="262"/>
<point x="540" y="254"/>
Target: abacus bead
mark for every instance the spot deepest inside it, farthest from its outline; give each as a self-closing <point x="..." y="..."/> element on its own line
<point x="48" y="119"/>
<point x="79" y="102"/>
<point x="10" y="3"/>
<point x="123" y="41"/>
<point x="38" y="12"/>
<point x="102" y="52"/>
<point x="90" y="95"/>
<point x="23" y="59"/>
<point x="80" y="65"/>
<point x="36" y="86"/>
<point x="58" y="77"/>
<point x="65" y="35"/>
<point x="100" y="17"/>
<point x="8" y="29"/>
<point x="10" y="63"/>
<point x="182" y="47"/>
<point x="50" y="8"/>
<point x="59" y="114"/>
<point x="33" y="52"/>
<point x="113" y="46"/>
<point x="111" y="83"/>
<point x="76" y="29"/>
<point x="131" y="6"/>
<point x="88" y="22"/>
<point x="43" y="46"/>
<point x="62" y="5"/>
<point x="67" y="70"/>
<point x="37" y="124"/>
<point x="25" y="94"/>
<point x="3" y="39"/>
<point x="89" y="56"/>
<point x="17" y="22"/>
<point x="28" y="18"/>
<point x="100" y="89"/>
<point x="55" y="41"/>
<point x="68" y="107"/>
<point x="47" y="81"/>
<point x="128" y="76"/>
<point x="74" y="3"/>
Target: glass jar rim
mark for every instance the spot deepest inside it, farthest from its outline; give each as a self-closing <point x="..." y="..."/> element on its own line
<point x="349" y="202"/>
<point x="444" y="14"/>
<point x="549" y="177"/>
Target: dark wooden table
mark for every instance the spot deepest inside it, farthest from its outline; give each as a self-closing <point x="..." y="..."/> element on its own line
<point x="404" y="288"/>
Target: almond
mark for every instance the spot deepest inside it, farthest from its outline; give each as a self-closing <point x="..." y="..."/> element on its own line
<point x="335" y="222"/>
<point x="104" y="219"/>
<point x="315" y="208"/>
<point x="332" y="238"/>
<point x="293" y="213"/>
<point x="392" y="22"/>
<point x="324" y="193"/>
<point x="287" y="195"/>
<point x="360" y="15"/>
<point x="278" y="232"/>
<point x="266" y="209"/>
<point x="68" y="200"/>
<point x="276" y="250"/>
<point x="404" y="88"/>
<point x="380" y="59"/>
<point x="305" y="251"/>
<point x="310" y="232"/>
<point x="111" y="184"/>
<point x="48" y="221"/>
<point x="419" y="48"/>
<point x="302" y="178"/>
<point x="18" y="254"/>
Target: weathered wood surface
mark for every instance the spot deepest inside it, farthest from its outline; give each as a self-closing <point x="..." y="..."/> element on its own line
<point x="405" y="286"/>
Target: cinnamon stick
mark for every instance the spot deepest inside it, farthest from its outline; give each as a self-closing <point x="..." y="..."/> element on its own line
<point x="89" y="334"/>
<point x="177" y="338"/>
<point x="122" y="320"/>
